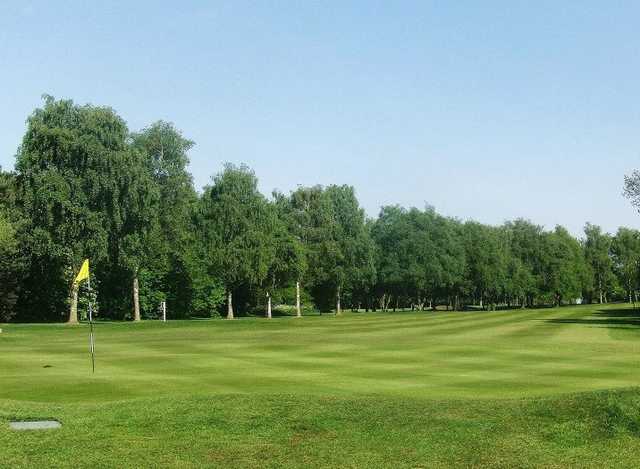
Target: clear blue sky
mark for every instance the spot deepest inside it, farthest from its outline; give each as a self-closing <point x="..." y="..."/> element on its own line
<point x="485" y="110"/>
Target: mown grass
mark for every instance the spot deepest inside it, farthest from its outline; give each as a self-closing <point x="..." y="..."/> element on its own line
<point x="504" y="389"/>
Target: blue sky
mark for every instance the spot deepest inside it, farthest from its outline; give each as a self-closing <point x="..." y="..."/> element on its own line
<point x="485" y="110"/>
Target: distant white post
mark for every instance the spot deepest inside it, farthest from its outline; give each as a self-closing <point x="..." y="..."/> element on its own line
<point x="164" y="311"/>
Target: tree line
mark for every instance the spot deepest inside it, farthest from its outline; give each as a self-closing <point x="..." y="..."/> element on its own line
<point x="85" y="186"/>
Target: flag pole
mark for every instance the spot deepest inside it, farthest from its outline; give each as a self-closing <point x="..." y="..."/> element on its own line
<point x="91" y="343"/>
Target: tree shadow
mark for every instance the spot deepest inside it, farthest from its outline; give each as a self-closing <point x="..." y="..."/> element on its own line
<point x="279" y="313"/>
<point x="618" y="318"/>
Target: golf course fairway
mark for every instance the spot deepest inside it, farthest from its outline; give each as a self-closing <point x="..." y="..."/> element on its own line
<point x="519" y="388"/>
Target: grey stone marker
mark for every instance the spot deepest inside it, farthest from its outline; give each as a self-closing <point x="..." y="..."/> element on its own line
<point x="35" y="425"/>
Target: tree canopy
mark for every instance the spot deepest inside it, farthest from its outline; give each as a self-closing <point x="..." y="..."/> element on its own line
<point x="85" y="186"/>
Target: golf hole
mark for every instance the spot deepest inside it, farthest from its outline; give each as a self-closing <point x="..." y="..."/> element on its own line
<point x="34" y="425"/>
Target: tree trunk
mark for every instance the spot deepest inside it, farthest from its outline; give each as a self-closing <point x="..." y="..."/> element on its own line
<point x="229" y="305"/>
<point x="298" y="310"/>
<point x="73" y="312"/>
<point x="600" y="289"/>
<point x="338" y="308"/>
<point x="268" y="306"/>
<point x="136" y="300"/>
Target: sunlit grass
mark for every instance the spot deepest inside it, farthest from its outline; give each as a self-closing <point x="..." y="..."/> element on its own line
<point x="378" y="389"/>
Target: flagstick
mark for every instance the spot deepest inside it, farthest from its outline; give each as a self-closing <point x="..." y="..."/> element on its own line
<point x="93" y="359"/>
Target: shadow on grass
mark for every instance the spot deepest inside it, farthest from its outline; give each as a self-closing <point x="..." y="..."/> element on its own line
<point x="619" y="317"/>
<point x="278" y="313"/>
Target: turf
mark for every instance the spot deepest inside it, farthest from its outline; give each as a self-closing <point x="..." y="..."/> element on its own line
<point x="551" y="387"/>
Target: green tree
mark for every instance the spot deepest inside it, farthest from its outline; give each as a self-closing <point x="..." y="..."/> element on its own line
<point x="290" y="260"/>
<point x="172" y="274"/>
<point x="10" y="268"/>
<point x="136" y="234"/>
<point x="68" y="194"/>
<point x="85" y="192"/>
<point x="564" y="271"/>
<point x="237" y="226"/>
<point x="332" y="228"/>
<point x="311" y="222"/>
<point x="397" y="266"/>
<point x="445" y="258"/>
<point x="625" y="250"/>
<point x="597" y="246"/>
<point x="11" y="260"/>
<point x="421" y="257"/>
<point x="632" y="188"/>
<point x="525" y="264"/>
<point x="486" y="261"/>
<point x="354" y="262"/>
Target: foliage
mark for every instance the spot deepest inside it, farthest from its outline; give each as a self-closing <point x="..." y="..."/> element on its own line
<point x="564" y="269"/>
<point x="85" y="186"/>
<point x="625" y="249"/>
<point x="597" y="250"/>
<point x="237" y="226"/>
<point x="64" y="194"/>
<point x="331" y="227"/>
<point x="10" y="268"/>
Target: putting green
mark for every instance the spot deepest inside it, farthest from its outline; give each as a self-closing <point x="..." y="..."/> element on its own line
<point x="435" y="355"/>
<point x="446" y="389"/>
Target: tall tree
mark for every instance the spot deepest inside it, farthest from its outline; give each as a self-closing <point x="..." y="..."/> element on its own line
<point x="85" y="192"/>
<point x="445" y="258"/>
<point x="564" y="270"/>
<point x="597" y="246"/>
<point x="236" y="223"/>
<point x="290" y="261"/>
<point x="396" y="263"/>
<point x="171" y="275"/>
<point x="11" y="259"/>
<point x="625" y="250"/>
<point x="312" y="223"/>
<point x="525" y="266"/>
<point x="68" y="193"/>
<point x="486" y="261"/>
<point x="332" y="228"/>
<point x="135" y="235"/>
<point x="354" y="267"/>
<point x="422" y="257"/>
<point x="10" y="268"/>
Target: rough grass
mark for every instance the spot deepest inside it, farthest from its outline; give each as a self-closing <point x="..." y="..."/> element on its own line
<point x="503" y="389"/>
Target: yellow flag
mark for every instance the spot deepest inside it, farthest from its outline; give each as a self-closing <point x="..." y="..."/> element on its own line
<point x="84" y="271"/>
